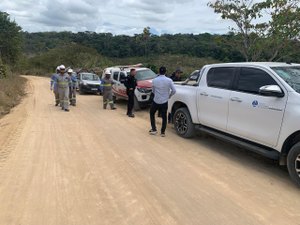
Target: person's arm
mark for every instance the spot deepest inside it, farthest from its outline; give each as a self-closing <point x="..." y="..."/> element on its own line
<point x="101" y="85"/>
<point x="52" y="83"/>
<point x="126" y="82"/>
<point x="153" y="87"/>
<point x="173" y="89"/>
<point x="70" y="82"/>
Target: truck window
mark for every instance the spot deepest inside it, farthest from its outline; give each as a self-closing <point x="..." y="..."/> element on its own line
<point x="115" y="75"/>
<point x="221" y="77"/>
<point x="251" y="79"/>
<point x="193" y="78"/>
<point x="122" y="77"/>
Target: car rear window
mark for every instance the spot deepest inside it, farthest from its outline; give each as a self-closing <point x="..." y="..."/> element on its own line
<point x="221" y="77"/>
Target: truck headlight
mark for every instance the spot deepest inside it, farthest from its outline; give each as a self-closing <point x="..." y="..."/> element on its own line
<point x="144" y="90"/>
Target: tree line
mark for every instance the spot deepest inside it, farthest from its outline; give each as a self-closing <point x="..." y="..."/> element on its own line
<point x="121" y="46"/>
<point x="275" y="39"/>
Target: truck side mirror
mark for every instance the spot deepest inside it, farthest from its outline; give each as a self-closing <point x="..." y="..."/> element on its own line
<point x="271" y="90"/>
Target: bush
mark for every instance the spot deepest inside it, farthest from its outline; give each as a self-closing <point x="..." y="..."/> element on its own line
<point x="3" y="72"/>
<point x="11" y="90"/>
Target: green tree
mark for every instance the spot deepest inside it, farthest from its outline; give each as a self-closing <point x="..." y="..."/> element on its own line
<point x="264" y="40"/>
<point x="284" y="26"/>
<point x="10" y="39"/>
<point x="146" y="35"/>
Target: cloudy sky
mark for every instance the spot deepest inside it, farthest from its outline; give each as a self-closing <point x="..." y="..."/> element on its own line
<point x="127" y="17"/>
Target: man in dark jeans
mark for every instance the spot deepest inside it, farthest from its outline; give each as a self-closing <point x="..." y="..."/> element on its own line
<point x="163" y="88"/>
<point x="130" y="84"/>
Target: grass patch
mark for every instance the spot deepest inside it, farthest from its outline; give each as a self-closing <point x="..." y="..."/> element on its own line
<point x="12" y="89"/>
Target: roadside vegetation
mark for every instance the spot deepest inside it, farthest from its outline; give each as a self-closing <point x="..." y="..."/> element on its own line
<point x="11" y="91"/>
<point x="12" y="86"/>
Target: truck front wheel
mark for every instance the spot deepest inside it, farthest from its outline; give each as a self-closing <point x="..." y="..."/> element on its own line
<point x="183" y="123"/>
<point x="293" y="163"/>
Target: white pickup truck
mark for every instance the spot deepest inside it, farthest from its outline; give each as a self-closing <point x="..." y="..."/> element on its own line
<point x="255" y="105"/>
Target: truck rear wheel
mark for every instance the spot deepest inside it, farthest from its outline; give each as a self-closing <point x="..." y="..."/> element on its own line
<point x="183" y="123"/>
<point x="293" y="163"/>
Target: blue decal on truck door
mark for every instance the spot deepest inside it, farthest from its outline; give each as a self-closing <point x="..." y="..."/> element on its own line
<point x="255" y="103"/>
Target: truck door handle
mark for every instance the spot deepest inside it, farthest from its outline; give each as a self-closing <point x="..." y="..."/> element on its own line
<point x="204" y="94"/>
<point x="235" y="99"/>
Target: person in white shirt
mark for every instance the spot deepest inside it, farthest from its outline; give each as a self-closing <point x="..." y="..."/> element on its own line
<point x="162" y="88"/>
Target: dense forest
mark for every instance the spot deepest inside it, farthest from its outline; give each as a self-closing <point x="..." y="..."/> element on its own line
<point x="121" y="46"/>
<point x="112" y="49"/>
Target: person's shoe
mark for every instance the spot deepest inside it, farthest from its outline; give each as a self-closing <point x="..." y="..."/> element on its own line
<point x="162" y="134"/>
<point x="56" y="104"/>
<point x="131" y="115"/>
<point x="67" y="110"/>
<point x="113" y="108"/>
<point x="152" y="132"/>
<point x="62" y="108"/>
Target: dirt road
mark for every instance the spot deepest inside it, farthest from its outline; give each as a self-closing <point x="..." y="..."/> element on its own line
<point x="91" y="166"/>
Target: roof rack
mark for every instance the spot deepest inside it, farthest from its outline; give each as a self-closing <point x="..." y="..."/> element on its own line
<point x="122" y="67"/>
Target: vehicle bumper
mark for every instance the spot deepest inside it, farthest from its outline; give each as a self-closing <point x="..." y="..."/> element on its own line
<point x="144" y="98"/>
<point x="90" y="88"/>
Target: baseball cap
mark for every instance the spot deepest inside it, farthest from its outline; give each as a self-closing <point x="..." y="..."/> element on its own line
<point x="178" y="70"/>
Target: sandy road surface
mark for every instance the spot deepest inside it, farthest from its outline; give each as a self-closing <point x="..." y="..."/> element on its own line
<point x="91" y="166"/>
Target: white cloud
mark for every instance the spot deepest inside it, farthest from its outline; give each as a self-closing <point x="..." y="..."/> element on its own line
<point x="115" y="16"/>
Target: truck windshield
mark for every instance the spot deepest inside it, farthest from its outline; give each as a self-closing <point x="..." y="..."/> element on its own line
<point x="146" y="74"/>
<point x="291" y="75"/>
<point x="90" y="76"/>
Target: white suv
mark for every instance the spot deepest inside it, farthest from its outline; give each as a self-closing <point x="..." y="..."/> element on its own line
<point x="144" y="77"/>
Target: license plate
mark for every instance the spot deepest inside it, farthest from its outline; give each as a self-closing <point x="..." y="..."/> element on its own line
<point x="94" y="89"/>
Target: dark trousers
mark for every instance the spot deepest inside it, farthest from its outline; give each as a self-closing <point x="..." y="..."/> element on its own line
<point x="163" y="109"/>
<point x="130" y="102"/>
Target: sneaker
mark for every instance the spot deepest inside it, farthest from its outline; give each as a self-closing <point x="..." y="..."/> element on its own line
<point x="131" y="115"/>
<point x="113" y="108"/>
<point x="162" y="134"/>
<point x="56" y="104"/>
<point x="152" y="132"/>
<point x="67" y="110"/>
